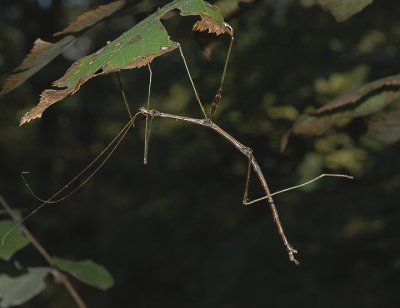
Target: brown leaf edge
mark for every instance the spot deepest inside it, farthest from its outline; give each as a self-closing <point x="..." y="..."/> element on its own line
<point x="92" y="17"/>
<point x="51" y="96"/>
<point x="14" y="80"/>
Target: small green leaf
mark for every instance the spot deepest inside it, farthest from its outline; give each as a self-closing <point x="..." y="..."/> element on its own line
<point x="15" y="240"/>
<point x="18" y="290"/>
<point x="86" y="271"/>
<point x="343" y="9"/>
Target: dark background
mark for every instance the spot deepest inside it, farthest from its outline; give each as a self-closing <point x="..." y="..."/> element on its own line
<point x="174" y="233"/>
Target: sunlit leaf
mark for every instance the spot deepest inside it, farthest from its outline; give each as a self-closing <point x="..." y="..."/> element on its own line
<point x="343" y="9"/>
<point x="135" y="48"/>
<point x="14" y="242"/>
<point x="367" y="100"/>
<point x="18" y="290"/>
<point x="86" y="271"/>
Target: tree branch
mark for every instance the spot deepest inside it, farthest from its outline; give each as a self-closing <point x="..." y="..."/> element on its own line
<point x="246" y="151"/>
<point x="61" y="277"/>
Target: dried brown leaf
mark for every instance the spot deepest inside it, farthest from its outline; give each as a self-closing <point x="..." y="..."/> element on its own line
<point x="210" y="25"/>
<point x="47" y="98"/>
<point x="92" y="17"/>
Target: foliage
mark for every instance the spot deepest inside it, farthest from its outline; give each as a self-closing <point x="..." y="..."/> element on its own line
<point x="369" y="99"/>
<point x="17" y="290"/>
<point x="86" y="271"/>
<point x="15" y="242"/>
<point x="20" y="289"/>
<point x="343" y="9"/>
<point x="177" y="236"/>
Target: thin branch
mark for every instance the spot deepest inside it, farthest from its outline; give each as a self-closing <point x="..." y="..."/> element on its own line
<point x="246" y="151"/>
<point x="60" y="276"/>
<point x="246" y="202"/>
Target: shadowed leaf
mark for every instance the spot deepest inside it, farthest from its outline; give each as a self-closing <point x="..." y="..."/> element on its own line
<point x="86" y="271"/>
<point x="385" y="126"/>
<point x="228" y="8"/>
<point x="135" y="48"/>
<point x="15" y="240"/>
<point x="43" y="52"/>
<point x="343" y="9"/>
<point x="367" y="100"/>
<point x="40" y="55"/>
<point x="18" y="290"/>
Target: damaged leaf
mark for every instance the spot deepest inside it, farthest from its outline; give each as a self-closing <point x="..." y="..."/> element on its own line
<point x="135" y="48"/>
<point x="344" y="9"/>
<point x="373" y="99"/>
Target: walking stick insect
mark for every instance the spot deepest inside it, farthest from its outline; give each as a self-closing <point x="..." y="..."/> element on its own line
<point x="101" y="62"/>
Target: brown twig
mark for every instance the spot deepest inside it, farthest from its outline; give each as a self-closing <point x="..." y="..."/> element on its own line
<point x="246" y="151"/>
<point x="61" y="277"/>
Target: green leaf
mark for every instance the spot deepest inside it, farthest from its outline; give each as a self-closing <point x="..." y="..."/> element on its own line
<point x="369" y="100"/>
<point x="343" y="9"/>
<point x="18" y="290"/>
<point x="135" y="48"/>
<point x="86" y="271"/>
<point x="15" y="240"/>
